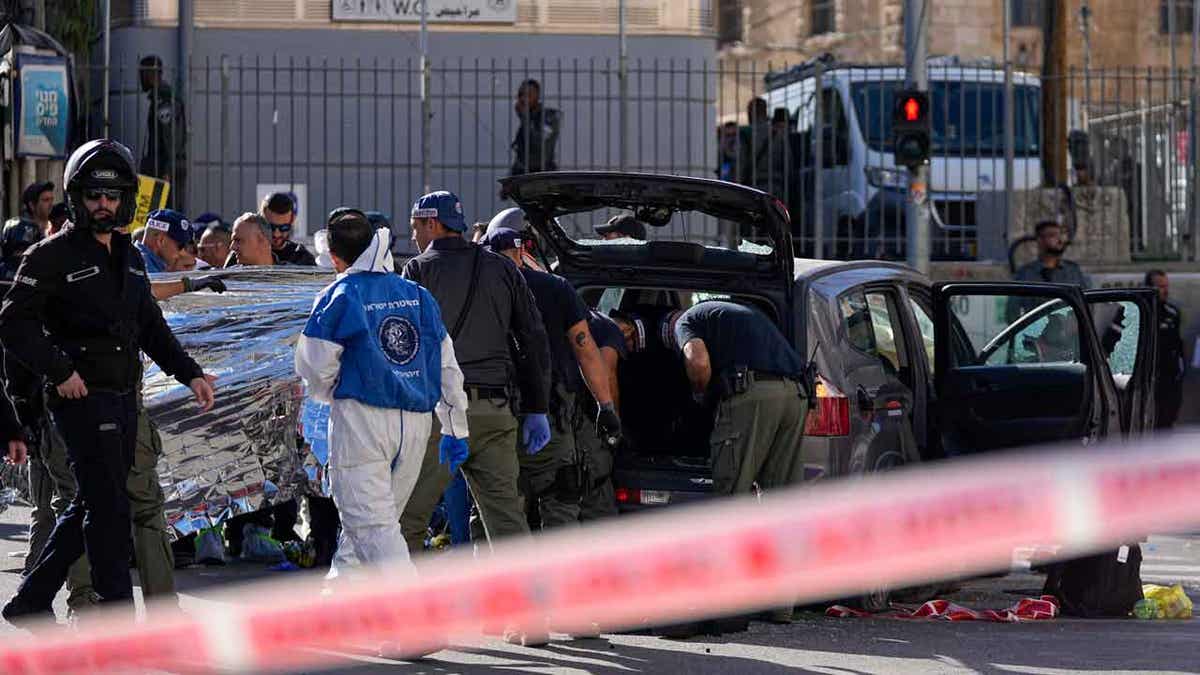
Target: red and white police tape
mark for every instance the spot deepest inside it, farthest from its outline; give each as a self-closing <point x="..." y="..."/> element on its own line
<point x="811" y="543"/>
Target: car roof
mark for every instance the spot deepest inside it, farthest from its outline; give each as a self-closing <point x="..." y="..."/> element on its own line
<point x="810" y="270"/>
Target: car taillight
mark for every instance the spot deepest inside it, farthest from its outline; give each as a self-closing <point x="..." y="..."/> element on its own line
<point x="831" y="416"/>
<point x="628" y="496"/>
<point x="643" y="497"/>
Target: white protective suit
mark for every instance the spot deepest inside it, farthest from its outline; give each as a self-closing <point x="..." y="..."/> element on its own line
<point x="375" y="348"/>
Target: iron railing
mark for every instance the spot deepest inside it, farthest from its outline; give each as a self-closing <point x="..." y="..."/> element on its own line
<point x="349" y="132"/>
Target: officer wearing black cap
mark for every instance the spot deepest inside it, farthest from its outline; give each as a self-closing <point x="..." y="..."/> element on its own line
<point x="78" y="315"/>
<point x="485" y="304"/>
<point x="623" y="226"/>
<point x="19" y="234"/>
<point x="557" y="478"/>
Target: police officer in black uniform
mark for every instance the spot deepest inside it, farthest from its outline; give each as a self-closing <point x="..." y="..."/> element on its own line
<point x="78" y="314"/>
<point x="486" y="304"/>
<point x="554" y="479"/>
<point x="166" y="131"/>
<point x="19" y="234"/>
<point x="1168" y="383"/>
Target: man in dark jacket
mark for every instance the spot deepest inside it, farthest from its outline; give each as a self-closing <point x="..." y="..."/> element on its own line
<point x="1168" y="382"/>
<point x="537" y="136"/>
<point x="165" y="149"/>
<point x="485" y="303"/>
<point x="78" y="315"/>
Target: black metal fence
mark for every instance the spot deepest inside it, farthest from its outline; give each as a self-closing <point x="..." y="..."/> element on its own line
<point x="817" y="136"/>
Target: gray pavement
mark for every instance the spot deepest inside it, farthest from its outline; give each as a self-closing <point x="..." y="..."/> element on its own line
<point x="813" y="643"/>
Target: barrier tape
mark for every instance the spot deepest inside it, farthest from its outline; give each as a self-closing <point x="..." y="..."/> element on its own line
<point x="801" y="545"/>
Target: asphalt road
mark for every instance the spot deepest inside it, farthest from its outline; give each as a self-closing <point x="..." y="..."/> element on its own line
<point x="813" y="643"/>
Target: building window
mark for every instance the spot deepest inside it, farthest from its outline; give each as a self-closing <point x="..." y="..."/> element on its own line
<point x="1183" y="16"/>
<point x="824" y="17"/>
<point x="1026" y="12"/>
<point x="730" y="15"/>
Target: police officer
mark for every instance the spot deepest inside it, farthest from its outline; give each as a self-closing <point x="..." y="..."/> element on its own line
<point x="537" y="136"/>
<point x="19" y="234"/>
<point x="79" y="313"/>
<point x="739" y="364"/>
<point x="485" y="302"/>
<point x="552" y="479"/>
<point x="166" y="131"/>
<point x="1168" y="384"/>
<point x="599" y="500"/>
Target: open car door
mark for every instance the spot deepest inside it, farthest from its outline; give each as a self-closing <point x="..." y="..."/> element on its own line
<point x="1018" y="364"/>
<point x="1126" y="320"/>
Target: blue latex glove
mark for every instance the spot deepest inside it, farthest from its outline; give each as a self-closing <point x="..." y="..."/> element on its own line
<point x="535" y="433"/>
<point x="452" y="451"/>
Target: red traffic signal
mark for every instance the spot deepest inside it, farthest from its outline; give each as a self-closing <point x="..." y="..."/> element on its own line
<point x="912" y="109"/>
<point x="911" y="128"/>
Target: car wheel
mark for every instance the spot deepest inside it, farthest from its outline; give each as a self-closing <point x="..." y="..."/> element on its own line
<point x="879" y="599"/>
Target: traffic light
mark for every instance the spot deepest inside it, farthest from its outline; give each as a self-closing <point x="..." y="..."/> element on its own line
<point x="911" y="128"/>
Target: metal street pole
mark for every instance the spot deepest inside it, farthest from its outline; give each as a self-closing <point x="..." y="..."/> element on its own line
<point x="916" y="50"/>
<point x="426" y="103"/>
<point x="1194" y="142"/>
<point x="107" y="61"/>
<point x="187" y="20"/>
<point x="1009" y="126"/>
<point x="623" y="88"/>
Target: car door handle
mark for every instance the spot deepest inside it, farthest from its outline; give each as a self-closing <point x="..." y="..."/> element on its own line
<point x="984" y="387"/>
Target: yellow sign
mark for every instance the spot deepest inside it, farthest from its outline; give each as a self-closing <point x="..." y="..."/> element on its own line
<point x="151" y="194"/>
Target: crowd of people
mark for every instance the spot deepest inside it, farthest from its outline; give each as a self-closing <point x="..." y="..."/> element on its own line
<point x="467" y="377"/>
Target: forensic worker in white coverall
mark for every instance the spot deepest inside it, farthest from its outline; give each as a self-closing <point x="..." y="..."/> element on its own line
<point x="376" y="349"/>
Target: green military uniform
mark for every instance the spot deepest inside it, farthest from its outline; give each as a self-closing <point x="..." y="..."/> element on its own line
<point x="539" y="472"/>
<point x="756" y="437"/>
<point x="599" y="500"/>
<point x="151" y="544"/>
<point x="491" y="470"/>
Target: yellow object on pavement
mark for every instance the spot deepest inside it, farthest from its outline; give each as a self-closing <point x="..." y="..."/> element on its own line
<point x="1171" y="601"/>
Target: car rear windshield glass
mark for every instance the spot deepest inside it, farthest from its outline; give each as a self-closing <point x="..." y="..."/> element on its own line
<point x="682" y="226"/>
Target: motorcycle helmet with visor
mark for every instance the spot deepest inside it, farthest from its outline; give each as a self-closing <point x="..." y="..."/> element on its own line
<point x="101" y="168"/>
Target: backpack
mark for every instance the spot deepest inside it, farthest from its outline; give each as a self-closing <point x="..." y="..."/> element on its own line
<point x="1107" y="584"/>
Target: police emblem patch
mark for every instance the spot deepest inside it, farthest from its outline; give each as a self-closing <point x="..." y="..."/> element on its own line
<point x="399" y="340"/>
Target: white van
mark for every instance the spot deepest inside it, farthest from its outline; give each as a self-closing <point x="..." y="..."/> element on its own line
<point x="862" y="193"/>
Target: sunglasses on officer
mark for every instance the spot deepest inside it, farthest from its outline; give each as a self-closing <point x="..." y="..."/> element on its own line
<point x="281" y="227"/>
<point x="94" y="194"/>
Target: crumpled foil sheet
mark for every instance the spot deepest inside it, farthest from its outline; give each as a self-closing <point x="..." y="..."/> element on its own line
<point x="250" y="450"/>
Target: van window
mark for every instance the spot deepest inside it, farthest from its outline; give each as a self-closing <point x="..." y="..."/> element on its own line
<point x="968" y="117"/>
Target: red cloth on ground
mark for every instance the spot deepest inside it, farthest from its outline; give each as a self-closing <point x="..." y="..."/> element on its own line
<point x="1028" y="609"/>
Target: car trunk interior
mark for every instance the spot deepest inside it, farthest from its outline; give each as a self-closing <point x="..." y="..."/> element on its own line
<point x="661" y="422"/>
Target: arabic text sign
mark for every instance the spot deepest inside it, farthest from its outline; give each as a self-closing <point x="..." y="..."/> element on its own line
<point x="440" y="11"/>
<point x="43" y="103"/>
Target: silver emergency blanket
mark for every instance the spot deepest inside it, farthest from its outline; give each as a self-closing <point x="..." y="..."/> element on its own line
<point x="251" y="449"/>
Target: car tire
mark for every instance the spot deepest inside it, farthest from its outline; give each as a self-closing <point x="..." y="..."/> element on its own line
<point x="879" y="599"/>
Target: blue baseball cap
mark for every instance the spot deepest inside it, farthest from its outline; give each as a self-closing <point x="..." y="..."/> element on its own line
<point x="443" y="205"/>
<point x="502" y="239"/>
<point x="173" y="223"/>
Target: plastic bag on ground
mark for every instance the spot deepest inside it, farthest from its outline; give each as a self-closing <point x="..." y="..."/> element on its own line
<point x="210" y="546"/>
<point x="1170" y="602"/>
<point x="258" y="546"/>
